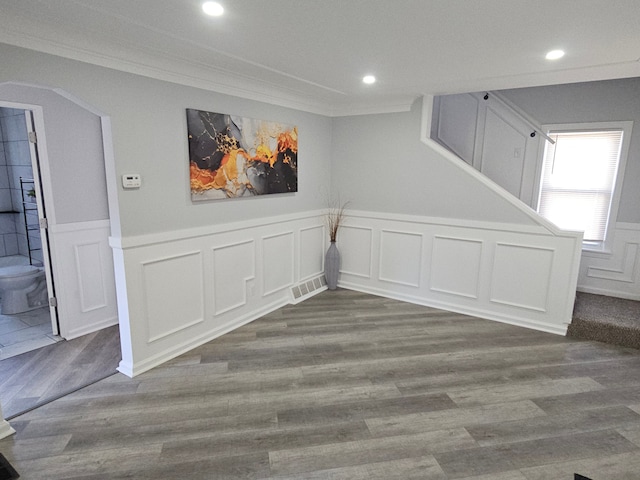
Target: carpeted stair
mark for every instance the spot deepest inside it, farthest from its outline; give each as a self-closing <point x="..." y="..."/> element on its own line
<point x="606" y="319"/>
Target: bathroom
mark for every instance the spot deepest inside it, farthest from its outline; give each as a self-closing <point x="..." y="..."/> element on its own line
<point x="20" y="242"/>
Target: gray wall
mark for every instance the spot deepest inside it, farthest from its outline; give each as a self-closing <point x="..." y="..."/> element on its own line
<point x="380" y="165"/>
<point x="149" y="137"/>
<point x="73" y="139"/>
<point x="610" y="100"/>
<point x="375" y="161"/>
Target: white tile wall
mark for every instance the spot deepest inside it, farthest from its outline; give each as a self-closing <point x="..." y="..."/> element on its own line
<point x="14" y="127"/>
<point x="11" y="244"/>
<point x="18" y="154"/>
<point x="15" y="162"/>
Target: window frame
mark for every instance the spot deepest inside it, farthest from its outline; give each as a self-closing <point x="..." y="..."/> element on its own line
<point x="626" y="127"/>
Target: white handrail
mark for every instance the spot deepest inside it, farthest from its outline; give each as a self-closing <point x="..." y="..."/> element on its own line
<point x="523" y="115"/>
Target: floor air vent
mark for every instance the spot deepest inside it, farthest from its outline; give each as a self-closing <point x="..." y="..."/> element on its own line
<point x="306" y="289"/>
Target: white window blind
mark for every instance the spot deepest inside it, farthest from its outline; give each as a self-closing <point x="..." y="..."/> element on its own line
<point x="578" y="179"/>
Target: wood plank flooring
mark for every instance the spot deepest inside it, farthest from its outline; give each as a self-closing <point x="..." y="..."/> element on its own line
<point x="352" y="386"/>
<point x="32" y="378"/>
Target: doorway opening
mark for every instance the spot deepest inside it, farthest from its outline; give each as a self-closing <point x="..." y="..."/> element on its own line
<point x="68" y="203"/>
<point x="26" y="319"/>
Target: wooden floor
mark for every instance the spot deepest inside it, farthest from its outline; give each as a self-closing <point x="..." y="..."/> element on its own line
<point x="35" y="377"/>
<point x="352" y="386"/>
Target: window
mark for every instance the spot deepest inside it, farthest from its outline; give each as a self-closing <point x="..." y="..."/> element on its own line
<point x="581" y="178"/>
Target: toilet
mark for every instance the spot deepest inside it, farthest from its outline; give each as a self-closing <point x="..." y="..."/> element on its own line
<point x="22" y="288"/>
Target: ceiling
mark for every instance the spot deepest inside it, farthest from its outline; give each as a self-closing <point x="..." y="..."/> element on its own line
<point x="312" y="54"/>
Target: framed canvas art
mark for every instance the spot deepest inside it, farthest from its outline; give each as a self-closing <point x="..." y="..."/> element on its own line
<point x="231" y="156"/>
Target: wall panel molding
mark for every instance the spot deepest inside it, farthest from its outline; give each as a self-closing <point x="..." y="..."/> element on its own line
<point x="278" y="262"/>
<point x="455" y="266"/>
<point x="233" y="269"/>
<point x="523" y="277"/>
<point x="83" y="273"/>
<point x="623" y="271"/>
<point x="399" y="254"/>
<point x="532" y="266"/>
<point x="355" y="245"/>
<point x="311" y="248"/>
<point x="615" y="273"/>
<point x="216" y="281"/>
<point x="92" y="289"/>
<point x="370" y="243"/>
<point x="173" y="293"/>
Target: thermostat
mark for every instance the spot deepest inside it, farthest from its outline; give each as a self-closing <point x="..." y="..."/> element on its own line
<point x="131" y="180"/>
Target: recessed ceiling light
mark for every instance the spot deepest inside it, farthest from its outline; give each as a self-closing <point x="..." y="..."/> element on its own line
<point x="212" y="8"/>
<point x="369" y="79"/>
<point x="555" y="54"/>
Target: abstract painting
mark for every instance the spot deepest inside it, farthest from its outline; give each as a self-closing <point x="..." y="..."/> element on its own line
<point x="231" y="156"/>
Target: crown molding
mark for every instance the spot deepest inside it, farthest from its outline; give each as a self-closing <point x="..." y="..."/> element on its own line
<point x="205" y="77"/>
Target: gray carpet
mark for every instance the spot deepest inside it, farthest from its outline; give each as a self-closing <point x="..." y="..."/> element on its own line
<point x="606" y="319"/>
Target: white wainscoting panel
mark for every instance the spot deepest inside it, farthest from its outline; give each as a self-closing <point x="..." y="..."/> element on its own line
<point x="400" y="257"/>
<point x="233" y="267"/>
<point x="515" y="274"/>
<point x="88" y="267"/>
<point x="531" y="266"/>
<point x="182" y="289"/>
<point x="616" y="273"/>
<point x="355" y="244"/>
<point x="312" y="246"/>
<point x="369" y="244"/>
<point x="83" y="273"/>
<point x="173" y="293"/>
<point x="455" y="266"/>
<point x="278" y="261"/>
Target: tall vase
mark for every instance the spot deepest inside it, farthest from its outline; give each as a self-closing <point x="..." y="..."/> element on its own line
<point x="332" y="266"/>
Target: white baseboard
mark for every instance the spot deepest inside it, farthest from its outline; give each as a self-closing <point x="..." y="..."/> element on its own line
<point x="131" y="370"/>
<point x="85" y="330"/>
<point x="511" y="320"/>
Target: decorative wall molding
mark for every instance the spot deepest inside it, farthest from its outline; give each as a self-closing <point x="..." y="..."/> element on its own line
<point x="234" y="270"/>
<point x="464" y="252"/>
<point x="173" y="293"/>
<point x="92" y="290"/>
<point x="516" y="276"/>
<point x="615" y="273"/>
<point x="193" y="289"/>
<point x="532" y="266"/>
<point x="159" y="238"/>
<point x="398" y="254"/>
<point x="278" y="259"/>
<point x="622" y="272"/>
<point x="255" y="269"/>
<point x="83" y="272"/>
<point x="355" y="245"/>
<point x="311" y="245"/>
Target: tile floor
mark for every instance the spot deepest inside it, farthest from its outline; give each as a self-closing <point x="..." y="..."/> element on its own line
<point x="25" y="332"/>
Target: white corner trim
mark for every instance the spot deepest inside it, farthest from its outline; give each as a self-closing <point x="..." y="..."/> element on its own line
<point x="5" y="429"/>
<point x="126" y="242"/>
<point x="136" y="368"/>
